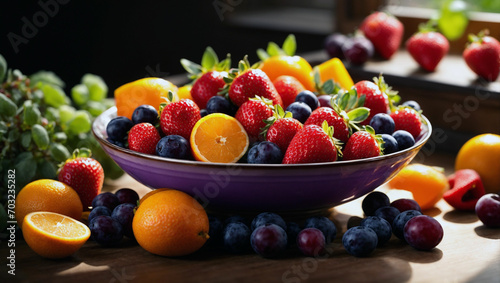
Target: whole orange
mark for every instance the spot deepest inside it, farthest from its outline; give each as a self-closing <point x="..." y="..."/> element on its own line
<point x="294" y="66"/>
<point x="482" y="154"/>
<point x="152" y="192"/>
<point x="48" y="195"/>
<point x="170" y="223"/>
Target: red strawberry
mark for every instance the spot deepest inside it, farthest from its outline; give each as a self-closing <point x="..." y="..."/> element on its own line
<point x="281" y="128"/>
<point x="340" y="126"/>
<point x="362" y="144"/>
<point x="143" y="138"/>
<point x="84" y="174"/>
<point x="408" y="119"/>
<point x="427" y="47"/>
<point x="312" y="144"/>
<point x="466" y="189"/>
<point x="253" y="114"/>
<point x="482" y="55"/>
<point x="384" y="31"/>
<point x="179" y="118"/>
<point x="288" y="87"/>
<point x="375" y="99"/>
<point x="247" y="82"/>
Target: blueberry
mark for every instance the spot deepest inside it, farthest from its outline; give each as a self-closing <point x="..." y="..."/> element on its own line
<point x="216" y="228"/>
<point x="265" y="153"/>
<point x="126" y="195"/>
<point x="309" y="98"/>
<point x="380" y="226"/>
<point x="145" y="114"/>
<point x="106" y="199"/>
<point x="382" y="123"/>
<point x="399" y="222"/>
<point x="374" y="201"/>
<point x="405" y="140"/>
<point x="219" y="104"/>
<point x="203" y="112"/>
<point x="387" y="212"/>
<point x="292" y="230"/>
<point x="117" y="129"/>
<point x="124" y="214"/>
<point x="236" y="237"/>
<point x="360" y="241"/>
<point x="323" y="224"/>
<point x="173" y="146"/>
<point x="269" y="240"/>
<point x="300" y="111"/>
<point x="97" y="211"/>
<point x="117" y="143"/>
<point x="236" y="218"/>
<point x="390" y="144"/>
<point x="267" y="218"/>
<point x="105" y="230"/>
<point x="413" y="104"/>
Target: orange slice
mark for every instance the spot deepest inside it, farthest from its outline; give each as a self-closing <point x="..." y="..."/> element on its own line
<point x="53" y="235"/>
<point x="335" y="70"/>
<point x="294" y="66"/>
<point x="218" y="138"/>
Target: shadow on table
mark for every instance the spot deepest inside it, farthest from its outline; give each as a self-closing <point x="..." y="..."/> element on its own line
<point x="485" y="232"/>
<point x="460" y="217"/>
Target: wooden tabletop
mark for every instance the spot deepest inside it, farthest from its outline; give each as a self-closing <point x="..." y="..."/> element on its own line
<point x="469" y="252"/>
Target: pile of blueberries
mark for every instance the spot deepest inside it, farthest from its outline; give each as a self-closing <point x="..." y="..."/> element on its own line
<point x="111" y="216"/>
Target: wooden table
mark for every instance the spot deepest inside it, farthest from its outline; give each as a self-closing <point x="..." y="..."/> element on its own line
<point x="469" y="252"/>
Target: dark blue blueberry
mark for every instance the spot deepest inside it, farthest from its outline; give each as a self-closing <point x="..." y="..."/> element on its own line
<point x="236" y="218"/>
<point x="413" y="104"/>
<point x="236" y="237"/>
<point x="268" y="218"/>
<point x="360" y="241"/>
<point x="117" y="143"/>
<point x="106" y="199"/>
<point x="124" y="214"/>
<point x="215" y="228"/>
<point x="117" y="129"/>
<point x="219" y="104"/>
<point x="269" y="240"/>
<point x="399" y="222"/>
<point x="387" y="212"/>
<point x="300" y="111"/>
<point x="374" y="201"/>
<point x="105" y="230"/>
<point x="405" y="139"/>
<point x="323" y="224"/>
<point x="265" y="153"/>
<point x="97" y="211"/>
<point x="382" y="123"/>
<point x="309" y="98"/>
<point x="390" y="144"/>
<point x="380" y="226"/>
<point x="145" y="114"/>
<point x="173" y="146"/>
<point x="203" y="112"/>
<point x="126" y="195"/>
<point x="292" y="231"/>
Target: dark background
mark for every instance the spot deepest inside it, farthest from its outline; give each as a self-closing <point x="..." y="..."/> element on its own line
<point x="123" y="42"/>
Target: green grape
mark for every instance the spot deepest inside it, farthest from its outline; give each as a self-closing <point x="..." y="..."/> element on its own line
<point x="7" y="107"/>
<point x="40" y="136"/>
<point x="46" y="77"/>
<point x="3" y="68"/>
<point x="52" y="114"/>
<point x="32" y="114"/>
<point x="453" y="19"/>
<point x="25" y="166"/>
<point x="66" y="113"/>
<point x="96" y="85"/>
<point x="80" y="123"/>
<point x="80" y="94"/>
<point x="59" y="152"/>
<point x="54" y="95"/>
<point x="47" y="170"/>
<point x="95" y="108"/>
<point x="26" y="139"/>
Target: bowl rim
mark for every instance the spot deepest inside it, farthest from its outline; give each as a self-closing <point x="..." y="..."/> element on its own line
<point x="421" y="140"/>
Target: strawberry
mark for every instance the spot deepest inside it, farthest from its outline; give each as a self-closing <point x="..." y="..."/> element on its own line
<point x="384" y="31"/>
<point x="252" y="115"/>
<point x="408" y="119"/>
<point x="466" y="189"/>
<point x="209" y="76"/>
<point x="375" y="99"/>
<point x="281" y="128"/>
<point x="363" y="144"/>
<point x="288" y="87"/>
<point x="312" y="144"/>
<point x="247" y="82"/>
<point x="341" y="129"/>
<point x="143" y="138"/>
<point x="179" y="118"/>
<point x="427" y="47"/>
<point x="84" y="174"/>
<point x="482" y="55"/>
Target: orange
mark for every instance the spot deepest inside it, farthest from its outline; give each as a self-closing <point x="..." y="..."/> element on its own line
<point x="150" y="194"/>
<point x="482" y="154"/>
<point x="294" y="66"/>
<point x="184" y="92"/>
<point x="426" y="183"/>
<point x="335" y="70"/>
<point x="170" y="223"/>
<point x="218" y="138"/>
<point x="48" y="195"/>
<point x="151" y="91"/>
<point x="53" y="235"/>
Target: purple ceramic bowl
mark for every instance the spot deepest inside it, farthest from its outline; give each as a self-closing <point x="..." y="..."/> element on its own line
<point x="256" y="188"/>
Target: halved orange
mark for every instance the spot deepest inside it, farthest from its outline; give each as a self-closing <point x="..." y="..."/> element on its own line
<point x="220" y="138"/>
<point x="53" y="235"/>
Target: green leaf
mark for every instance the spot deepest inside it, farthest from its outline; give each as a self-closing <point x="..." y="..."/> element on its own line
<point x="344" y="100"/>
<point x="361" y="100"/>
<point x="359" y="114"/>
<point x="191" y="67"/>
<point x="225" y="64"/>
<point x="25" y="166"/>
<point x="31" y="114"/>
<point x="46" y="77"/>
<point x="3" y="128"/>
<point x="40" y="136"/>
<point x="66" y="113"/>
<point x="59" y="152"/>
<point x="290" y="45"/>
<point x="328" y="87"/>
<point x="95" y="108"/>
<point x="47" y="170"/>
<point x="3" y="68"/>
<point x="81" y="122"/>
<point x="7" y="107"/>
<point x="13" y="135"/>
<point x="80" y="94"/>
<point x="98" y="90"/>
<point x="25" y="139"/>
<point x="59" y="137"/>
<point x="54" y="95"/>
<point x="262" y="54"/>
<point x="273" y="49"/>
<point x="209" y="59"/>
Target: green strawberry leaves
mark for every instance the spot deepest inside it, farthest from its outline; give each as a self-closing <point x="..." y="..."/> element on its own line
<point x="209" y="62"/>
<point x="328" y="87"/>
<point x="288" y="48"/>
